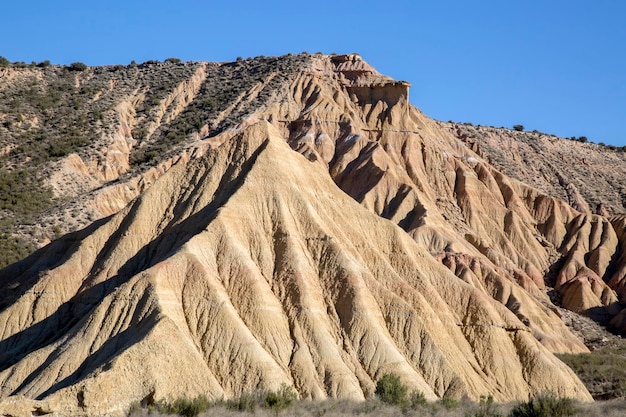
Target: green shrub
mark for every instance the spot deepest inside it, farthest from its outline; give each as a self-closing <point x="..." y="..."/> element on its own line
<point x="449" y="403"/>
<point x="545" y="405"/>
<point x="391" y="390"/>
<point x="281" y="399"/>
<point x="246" y="402"/>
<point x="519" y="128"/>
<point x="486" y="408"/>
<point x="13" y="249"/>
<point x="184" y="406"/>
<point x="4" y="62"/>
<point x="77" y="66"/>
<point x="22" y="192"/>
<point x="417" y="399"/>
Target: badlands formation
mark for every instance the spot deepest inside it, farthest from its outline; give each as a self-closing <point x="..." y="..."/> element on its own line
<point x="319" y="231"/>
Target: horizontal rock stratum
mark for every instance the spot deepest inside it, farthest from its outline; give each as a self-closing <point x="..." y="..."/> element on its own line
<point x="331" y="234"/>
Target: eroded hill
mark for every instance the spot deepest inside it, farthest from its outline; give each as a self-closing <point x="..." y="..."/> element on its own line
<point x="314" y="229"/>
<point x="588" y="176"/>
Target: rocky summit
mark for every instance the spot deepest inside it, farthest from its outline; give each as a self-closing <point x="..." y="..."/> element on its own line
<point x="225" y="228"/>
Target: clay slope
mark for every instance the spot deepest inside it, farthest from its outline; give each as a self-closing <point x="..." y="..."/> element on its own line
<point x="247" y="268"/>
<point x="588" y="176"/>
<point x="436" y="181"/>
<point x="488" y="228"/>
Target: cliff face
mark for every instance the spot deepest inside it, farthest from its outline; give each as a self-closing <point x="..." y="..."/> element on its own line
<point x="318" y="231"/>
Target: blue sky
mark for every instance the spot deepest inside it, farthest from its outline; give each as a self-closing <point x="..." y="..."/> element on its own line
<point x="552" y="65"/>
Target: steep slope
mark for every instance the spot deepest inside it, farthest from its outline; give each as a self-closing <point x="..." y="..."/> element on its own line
<point x="403" y="166"/>
<point x="90" y="141"/>
<point x="245" y="269"/>
<point x="312" y="228"/>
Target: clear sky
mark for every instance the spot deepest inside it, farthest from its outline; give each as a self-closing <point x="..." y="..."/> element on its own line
<point x="552" y="65"/>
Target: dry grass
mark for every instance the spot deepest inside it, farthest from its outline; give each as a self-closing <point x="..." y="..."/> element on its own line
<point x="376" y="408"/>
<point x="603" y="371"/>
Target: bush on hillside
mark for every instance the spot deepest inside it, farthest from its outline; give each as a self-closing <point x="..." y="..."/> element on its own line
<point x="77" y="66"/>
<point x="281" y="399"/>
<point x="391" y="390"/>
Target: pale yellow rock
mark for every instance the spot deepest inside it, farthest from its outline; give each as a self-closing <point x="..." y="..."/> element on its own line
<point x="205" y="284"/>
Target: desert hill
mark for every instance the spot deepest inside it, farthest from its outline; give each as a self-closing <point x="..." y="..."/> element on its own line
<point x="306" y="225"/>
<point x="588" y="176"/>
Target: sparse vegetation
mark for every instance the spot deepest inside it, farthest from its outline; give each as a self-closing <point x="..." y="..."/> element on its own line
<point x="603" y="371"/>
<point x="417" y="399"/>
<point x="518" y="128"/>
<point x="281" y="399"/>
<point x="545" y="405"/>
<point x="486" y="408"/>
<point x="46" y="115"/>
<point x="225" y="85"/>
<point x="449" y="403"/>
<point x="549" y="153"/>
<point x="275" y="401"/>
<point x="184" y="407"/>
<point x="247" y="402"/>
<point x="22" y="195"/>
<point x="13" y="248"/>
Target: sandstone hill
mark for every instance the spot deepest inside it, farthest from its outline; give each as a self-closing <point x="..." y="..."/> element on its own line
<point x="282" y="220"/>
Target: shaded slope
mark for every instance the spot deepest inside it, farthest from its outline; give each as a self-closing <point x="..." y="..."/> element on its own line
<point x="247" y="268"/>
